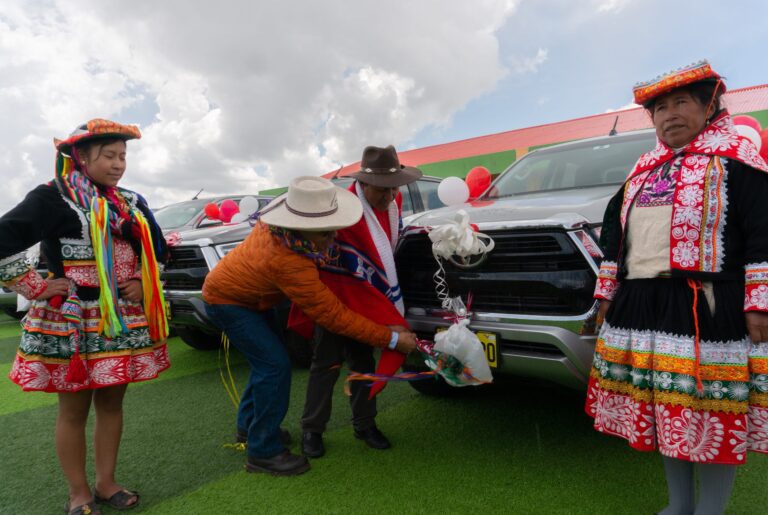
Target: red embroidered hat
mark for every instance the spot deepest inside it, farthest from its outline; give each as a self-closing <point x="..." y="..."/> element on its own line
<point x="696" y="72"/>
<point x="97" y="128"/>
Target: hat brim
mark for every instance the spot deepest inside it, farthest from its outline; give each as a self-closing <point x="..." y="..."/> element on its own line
<point x="406" y="175"/>
<point x="348" y="212"/>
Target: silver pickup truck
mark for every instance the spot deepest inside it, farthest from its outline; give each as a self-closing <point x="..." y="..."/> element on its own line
<point x="532" y="304"/>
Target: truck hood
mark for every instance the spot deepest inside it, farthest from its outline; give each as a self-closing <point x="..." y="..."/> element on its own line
<point x="216" y="235"/>
<point x="557" y="206"/>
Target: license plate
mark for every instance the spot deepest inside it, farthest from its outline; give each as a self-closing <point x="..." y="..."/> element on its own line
<point x="491" y="349"/>
<point x="489" y="346"/>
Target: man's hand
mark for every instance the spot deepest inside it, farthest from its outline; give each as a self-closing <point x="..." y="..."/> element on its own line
<point x="757" y="325"/>
<point x="406" y="342"/>
<point x="397" y="328"/>
<point x="131" y="290"/>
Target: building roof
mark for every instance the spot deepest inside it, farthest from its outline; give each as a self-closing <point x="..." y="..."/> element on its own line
<point x="745" y="100"/>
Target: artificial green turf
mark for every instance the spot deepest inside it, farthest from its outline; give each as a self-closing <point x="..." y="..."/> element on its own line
<point x="513" y="447"/>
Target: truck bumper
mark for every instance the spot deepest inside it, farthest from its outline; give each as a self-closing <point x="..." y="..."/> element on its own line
<point x="527" y="347"/>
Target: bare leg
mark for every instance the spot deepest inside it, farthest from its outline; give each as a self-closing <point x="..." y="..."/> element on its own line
<point x="70" y="443"/>
<point x="106" y="437"/>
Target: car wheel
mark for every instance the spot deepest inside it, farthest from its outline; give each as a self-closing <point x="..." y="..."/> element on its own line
<point x="199" y="340"/>
<point x="299" y="349"/>
<point x="11" y="312"/>
<point x="434" y="387"/>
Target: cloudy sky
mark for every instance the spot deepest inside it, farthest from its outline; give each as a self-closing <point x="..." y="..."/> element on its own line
<point x="242" y="95"/>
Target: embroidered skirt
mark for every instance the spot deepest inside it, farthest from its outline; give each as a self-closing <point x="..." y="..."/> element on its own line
<point x="643" y="386"/>
<point x="48" y="342"/>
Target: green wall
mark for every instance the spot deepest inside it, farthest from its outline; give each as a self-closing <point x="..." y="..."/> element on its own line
<point x="761" y="116"/>
<point x="495" y="163"/>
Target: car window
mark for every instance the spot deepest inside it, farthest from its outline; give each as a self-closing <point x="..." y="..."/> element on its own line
<point x="407" y="201"/>
<point x="177" y="215"/>
<point x="584" y="165"/>
<point x="428" y="193"/>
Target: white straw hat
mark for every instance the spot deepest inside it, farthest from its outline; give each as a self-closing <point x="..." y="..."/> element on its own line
<point x="313" y="204"/>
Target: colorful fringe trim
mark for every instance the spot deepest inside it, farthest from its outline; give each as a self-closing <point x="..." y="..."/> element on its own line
<point x="111" y="323"/>
<point x="154" y="300"/>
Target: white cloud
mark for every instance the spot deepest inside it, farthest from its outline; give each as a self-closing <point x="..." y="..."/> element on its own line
<point x="611" y="6"/>
<point x="630" y="105"/>
<point x="530" y="64"/>
<point x="237" y="95"/>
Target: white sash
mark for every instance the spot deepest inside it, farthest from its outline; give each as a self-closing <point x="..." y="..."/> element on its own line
<point x="384" y="243"/>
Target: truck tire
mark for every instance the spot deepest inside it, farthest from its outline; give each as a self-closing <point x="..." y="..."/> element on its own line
<point x="199" y="340"/>
<point x="11" y="312"/>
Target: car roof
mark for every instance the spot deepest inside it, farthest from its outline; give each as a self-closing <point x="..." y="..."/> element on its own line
<point x="601" y="139"/>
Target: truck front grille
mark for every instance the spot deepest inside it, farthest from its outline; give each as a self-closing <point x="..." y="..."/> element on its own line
<point x="528" y="272"/>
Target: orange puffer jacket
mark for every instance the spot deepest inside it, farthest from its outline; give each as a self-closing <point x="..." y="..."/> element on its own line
<point x="262" y="271"/>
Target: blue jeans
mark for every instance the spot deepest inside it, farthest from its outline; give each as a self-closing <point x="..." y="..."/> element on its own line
<point x="265" y="398"/>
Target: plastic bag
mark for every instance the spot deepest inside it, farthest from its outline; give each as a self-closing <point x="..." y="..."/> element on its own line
<point x="461" y="343"/>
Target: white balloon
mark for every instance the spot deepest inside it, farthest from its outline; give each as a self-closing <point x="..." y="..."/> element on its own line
<point x="453" y="191"/>
<point x="238" y="217"/>
<point x="751" y="134"/>
<point x="249" y="205"/>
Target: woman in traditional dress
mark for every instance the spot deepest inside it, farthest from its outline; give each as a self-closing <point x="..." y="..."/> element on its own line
<point x="97" y="322"/>
<point x="279" y="260"/>
<point x="681" y="362"/>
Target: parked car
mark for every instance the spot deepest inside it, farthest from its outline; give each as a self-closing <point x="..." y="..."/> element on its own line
<point x="190" y="214"/>
<point x="532" y="304"/>
<point x="8" y="303"/>
<point x="9" y="300"/>
<point x="200" y="250"/>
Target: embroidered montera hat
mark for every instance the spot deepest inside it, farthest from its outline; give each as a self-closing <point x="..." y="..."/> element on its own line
<point x="96" y="128"/>
<point x="696" y="72"/>
<point x="381" y="167"/>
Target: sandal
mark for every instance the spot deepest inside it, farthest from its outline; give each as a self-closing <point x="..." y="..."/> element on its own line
<point x="88" y="508"/>
<point x="120" y="500"/>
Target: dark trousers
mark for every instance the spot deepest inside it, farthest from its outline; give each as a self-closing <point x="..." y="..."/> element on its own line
<point x="264" y="401"/>
<point x="330" y="351"/>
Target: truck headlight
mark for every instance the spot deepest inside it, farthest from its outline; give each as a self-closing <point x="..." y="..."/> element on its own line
<point x="223" y="250"/>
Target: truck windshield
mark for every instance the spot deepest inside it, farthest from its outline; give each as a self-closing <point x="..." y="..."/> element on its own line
<point x="177" y="215"/>
<point x="581" y="165"/>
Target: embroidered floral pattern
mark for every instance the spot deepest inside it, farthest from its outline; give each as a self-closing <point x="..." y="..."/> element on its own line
<point x="607" y="283"/>
<point x="685" y="254"/>
<point x="756" y="287"/>
<point x="639" y="390"/>
<point x="659" y="188"/>
<point x="30" y="285"/>
<point x="34" y="375"/>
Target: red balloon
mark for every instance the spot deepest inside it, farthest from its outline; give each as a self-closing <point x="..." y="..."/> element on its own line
<point x="228" y="209"/>
<point x="744" y="119"/>
<point x="478" y="179"/>
<point x="212" y="211"/>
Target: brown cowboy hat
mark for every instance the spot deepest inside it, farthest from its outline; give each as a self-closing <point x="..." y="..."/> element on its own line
<point x="380" y="167"/>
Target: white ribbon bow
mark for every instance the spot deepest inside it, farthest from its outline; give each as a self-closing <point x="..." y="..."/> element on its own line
<point x="456" y="238"/>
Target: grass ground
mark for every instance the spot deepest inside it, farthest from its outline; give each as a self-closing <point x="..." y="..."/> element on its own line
<point x="512" y="447"/>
